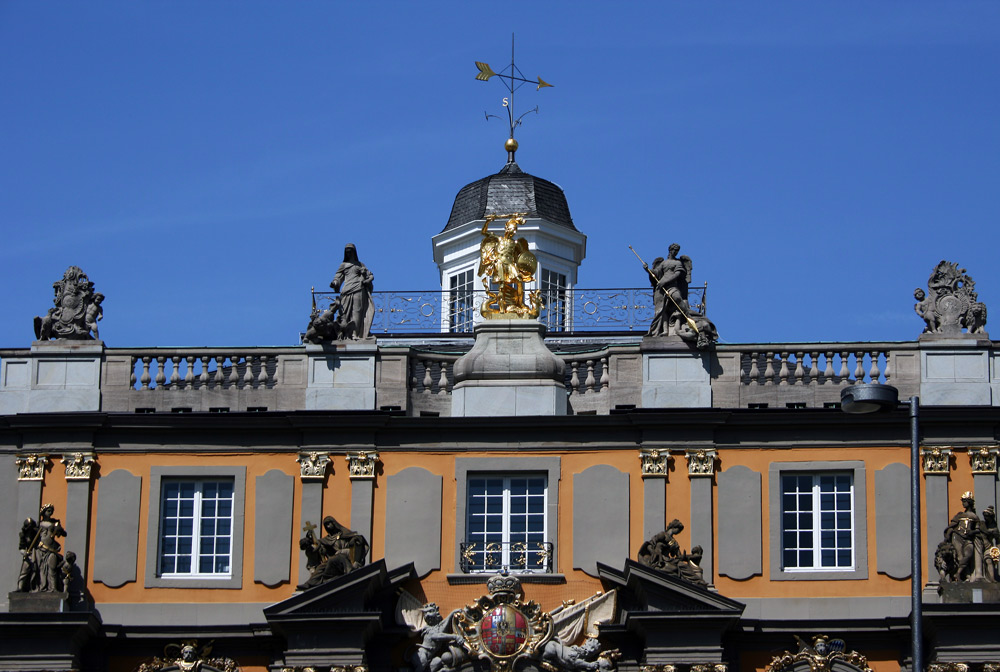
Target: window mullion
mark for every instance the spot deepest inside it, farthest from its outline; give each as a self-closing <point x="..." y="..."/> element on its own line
<point x="196" y="531"/>
<point x="505" y="534"/>
<point x="817" y="525"/>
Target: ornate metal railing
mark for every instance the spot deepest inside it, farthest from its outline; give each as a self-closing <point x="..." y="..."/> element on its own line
<point x="513" y="556"/>
<point x="568" y="310"/>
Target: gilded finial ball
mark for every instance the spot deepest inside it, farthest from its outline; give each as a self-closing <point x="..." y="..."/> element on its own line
<point x="510" y="145"/>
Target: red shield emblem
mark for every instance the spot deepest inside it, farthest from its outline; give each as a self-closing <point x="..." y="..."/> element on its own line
<point x="504" y="630"/>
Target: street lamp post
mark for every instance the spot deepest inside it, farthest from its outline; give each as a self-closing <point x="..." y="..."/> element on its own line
<point x="867" y="398"/>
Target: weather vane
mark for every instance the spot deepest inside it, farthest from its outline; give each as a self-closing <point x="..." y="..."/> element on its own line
<point x="512" y="79"/>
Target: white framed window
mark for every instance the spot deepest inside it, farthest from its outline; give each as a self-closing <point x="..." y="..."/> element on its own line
<point x="817" y="521"/>
<point x="506" y="524"/>
<point x="461" y="298"/>
<point x="553" y="286"/>
<point x="196" y="528"/>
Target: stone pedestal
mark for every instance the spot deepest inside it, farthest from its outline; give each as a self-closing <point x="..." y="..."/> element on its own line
<point x="45" y="603"/>
<point x="509" y="371"/>
<point x="341" y="376"/>
<point x="970" y="592"/>
<point x="674" y="375"/>
<point x="955" y="370"/>
<point x="57" y="376"/>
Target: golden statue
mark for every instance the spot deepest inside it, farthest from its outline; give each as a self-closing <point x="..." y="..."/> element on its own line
<point x="507" y="264"/>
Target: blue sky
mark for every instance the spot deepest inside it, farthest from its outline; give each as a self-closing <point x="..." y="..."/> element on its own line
<point x="205" y="163"/>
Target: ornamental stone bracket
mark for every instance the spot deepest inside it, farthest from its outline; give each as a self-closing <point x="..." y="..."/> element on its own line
<point x="361" y="465"/>
<point x="312" y="466"/>
<point x="697" y="667"/>
<point x="701" y="462"/>
<point x="655" y="462"/>
<point x="31" y="467"/>
<point x="984" y="459"/>
<point x="78" y="466"/>
<point x="936" y="460"/>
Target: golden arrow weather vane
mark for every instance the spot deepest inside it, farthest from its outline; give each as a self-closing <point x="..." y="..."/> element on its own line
<point x="513" y="79"/>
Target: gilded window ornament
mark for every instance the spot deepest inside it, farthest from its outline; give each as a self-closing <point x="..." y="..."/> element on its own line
<point x="820" y="655"/>
<point x="189" y="656"/>
<point x="78" y="466"/>
<point x="654" y="462"/>
<point x="983" y="459"/>
<point x="701" y="462"/>
<point x="312" y="466"/>
<point x="362" y="464"/>
<point x="31" y="467"/>
<point x="936" y="460"/>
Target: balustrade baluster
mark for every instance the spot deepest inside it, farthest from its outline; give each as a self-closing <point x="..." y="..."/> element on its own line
<point x="783" y="371"/>
<point x="873" y="373"/>
<point x="859" y="367"/>
<point x="574" y="380"/>
<point x="589" y="384"/>
<point x="263" y="378"/>
<point x="888" y="367"/>
<point x="175" y="373"/>
<point x="219" y="371"/>
<point x="443" y="379"/>
<point x="145" y="373"/>
<point x="828" y="372"/>
<point x="769" y="370"/>
<point x="132" y="379"/>
<point x="428" y="381"/>
<point x="248" y="376"/>
<point x="189" y="374"/>
<point x="203" y="378"/>
<point x="605" y="375"/>
<point x="161" y="366"/>
<point x="813" y="367"/>
<point x="845" y="372"/>
<point x="800" y="372"/>
<point x="754" y="369"/>
<point x="234" y="371"/>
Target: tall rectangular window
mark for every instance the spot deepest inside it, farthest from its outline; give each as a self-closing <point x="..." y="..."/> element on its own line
<point x="196" y="528"/>
<point x="505" y="523"/>
<point x="553" y="286"/>
<point x="460" y="301"/>
<point x="817" y="521"/>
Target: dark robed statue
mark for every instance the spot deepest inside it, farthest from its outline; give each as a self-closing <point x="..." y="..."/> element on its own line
<point x="43" y="568"/>
<point x="664" y="553"/>
<point x="350" y="315"/>
<point x="672" y="312"/>
<point x="338" y="552"/>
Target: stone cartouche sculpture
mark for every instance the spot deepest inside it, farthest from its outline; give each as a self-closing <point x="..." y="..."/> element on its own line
<point x="43" y="569"/>
<point x="77" y="309"/>
<point x="950" y="303"/>
<point x="338" y="552"/>
<point x="440" y="648"/>
<point x="673" y="315"/>
<point x="507" y="264"/>
<point x="351" y="313"/>
<point x="664" y="553"/>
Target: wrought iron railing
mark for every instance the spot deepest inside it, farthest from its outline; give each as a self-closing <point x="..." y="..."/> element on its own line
<point x="512" y="556"/>
<point x="567" y="310"/>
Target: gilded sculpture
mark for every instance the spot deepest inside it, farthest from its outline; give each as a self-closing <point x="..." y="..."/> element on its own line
<point x="505" y="265"/>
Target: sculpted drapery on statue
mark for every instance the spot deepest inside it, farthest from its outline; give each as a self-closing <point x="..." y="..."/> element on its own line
<point x="350" y="315"/>
<point x="338" y="552"/>
<point x="507" y="264"/>
<point x="664" y="553"/>
<point x="77" y="309"/>
<point x="43" y="569"/>
<point x="969" y="550"/>
<point x="673" y="315"/>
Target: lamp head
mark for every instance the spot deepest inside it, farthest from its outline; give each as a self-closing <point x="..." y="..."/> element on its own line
<point x="868" y="398"/>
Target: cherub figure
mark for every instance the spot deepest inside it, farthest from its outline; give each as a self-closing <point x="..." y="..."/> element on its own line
<point x="95" y="313"/>
<point x="925" y="309"/>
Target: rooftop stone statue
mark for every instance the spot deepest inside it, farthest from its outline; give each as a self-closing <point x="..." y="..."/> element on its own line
<point x="950" y="303"/>
<point x="673" y="313"/>
<point x="351" y="313"/>
<point x="77" y="309"/>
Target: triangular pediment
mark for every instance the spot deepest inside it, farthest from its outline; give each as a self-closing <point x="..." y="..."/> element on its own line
<point x="354" y="592"/>
<point x="651" y="590"/>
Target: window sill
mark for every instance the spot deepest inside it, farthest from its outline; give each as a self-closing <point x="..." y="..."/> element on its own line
<point x="222" y="582"/>
<point x="471" y="579"/>
<point x="821" y="575"/>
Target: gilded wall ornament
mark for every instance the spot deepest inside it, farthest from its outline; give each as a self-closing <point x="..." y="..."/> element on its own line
<point x="312" y="466"/>
<point x="31" y="467"/>
<point x="820" y="655"/>
<point x="701" y="462"/>
<point x="654" y="462"/>
<point x="983" y="459"/>
<point x="188" y="656"/>
<point x="78" y="466"/>
<point x="361" y="465"/>
<point x="936" y="460"/>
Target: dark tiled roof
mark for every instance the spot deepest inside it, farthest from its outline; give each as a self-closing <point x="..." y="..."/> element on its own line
<point x="510" y="190"/>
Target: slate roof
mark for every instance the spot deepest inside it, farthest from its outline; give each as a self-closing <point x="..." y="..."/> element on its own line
<point x="510" y="190"/>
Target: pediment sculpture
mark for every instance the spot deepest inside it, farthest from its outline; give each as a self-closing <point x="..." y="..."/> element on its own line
<point x="76" y="312"/>
<point x="822" y="654"/>
<point x="188" y="656"/>
<point x="664" y="552"/>
<point x="336" y="553"/>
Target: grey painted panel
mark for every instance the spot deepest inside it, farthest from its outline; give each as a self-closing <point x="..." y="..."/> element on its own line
<point x="235" y="578"/>
<point x="702" y="523"/>
<point x="740" y="533"/>
<point x="550" y="465"/>
<point x="10" y="525"/>
<point x="312" y="512"/>
<point x="985" y="486"/>
<point x="654" y="506"/>
<point x="413" y="520"/>
<point x="809" y="608"/>
<point x="892" y="520"/>
<point x="600" y="518"/>
<point x="187" y="615"/>
<point x="273" y="502"/>
<point x="362" y="500"/>
<point x="860" y="570"/>
<point x="936" y="502"/>
<point x="117" y="544"/>
<point x="78" y="522"/>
